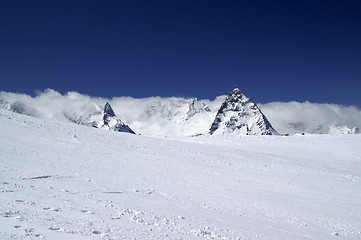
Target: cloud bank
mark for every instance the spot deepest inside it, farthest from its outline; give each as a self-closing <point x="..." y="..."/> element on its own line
<point x="296" y="117"/>
<point x="181" y="116"/>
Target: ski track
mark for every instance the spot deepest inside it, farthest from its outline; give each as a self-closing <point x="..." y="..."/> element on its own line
<point x="65" y="181"/>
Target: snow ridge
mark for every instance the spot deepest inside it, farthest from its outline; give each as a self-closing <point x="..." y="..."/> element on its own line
<point x="239" y="114"/>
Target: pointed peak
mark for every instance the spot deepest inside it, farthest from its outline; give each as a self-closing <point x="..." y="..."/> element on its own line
<point x="240" y="114"/>
<point x="111" y="122"/>
<point x="193" y="102"/>
<point x="236" y="91"/>
<point x="235" y="95"/>
<point x="108" y="110"/>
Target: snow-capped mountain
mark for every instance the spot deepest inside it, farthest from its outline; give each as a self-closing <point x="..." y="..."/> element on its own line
<point x="196" y="107"/>
<point x="110" y="121"/>
<point x="17" y="107"/>
<point x="105" y="119"/>
<point x="239" y="114"/>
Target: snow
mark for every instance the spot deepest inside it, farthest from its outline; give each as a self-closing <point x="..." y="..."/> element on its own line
<point x="67" y="181"/>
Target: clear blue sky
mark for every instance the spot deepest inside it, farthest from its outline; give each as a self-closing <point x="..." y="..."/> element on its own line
<point x="272" y="50"/>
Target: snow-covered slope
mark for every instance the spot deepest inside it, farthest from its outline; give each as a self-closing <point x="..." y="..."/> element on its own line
<point x="240" y="115"/>
<point x="66" y="181"/>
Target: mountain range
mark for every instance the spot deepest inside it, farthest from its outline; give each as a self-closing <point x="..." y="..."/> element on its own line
<point x="232" y="114"/>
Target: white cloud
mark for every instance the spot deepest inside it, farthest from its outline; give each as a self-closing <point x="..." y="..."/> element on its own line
<point x="295" y="117"/>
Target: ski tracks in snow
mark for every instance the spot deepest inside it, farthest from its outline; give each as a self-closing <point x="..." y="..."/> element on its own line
<point x="99" y="213"/>
<point x="63" y="181"/>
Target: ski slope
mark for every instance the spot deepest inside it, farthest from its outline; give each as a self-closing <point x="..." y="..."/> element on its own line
<point x="66" y="181"/>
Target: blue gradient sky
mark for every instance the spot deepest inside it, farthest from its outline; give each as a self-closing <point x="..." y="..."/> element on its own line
<point x="271" y="50"/>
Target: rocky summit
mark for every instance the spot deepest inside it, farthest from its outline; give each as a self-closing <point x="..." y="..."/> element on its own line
<point x="239" y="114"/>
<point x="111" y="122"/>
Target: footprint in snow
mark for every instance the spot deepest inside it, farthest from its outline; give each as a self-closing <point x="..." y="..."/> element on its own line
<point x="54" y="228"/>
<point x="86" y="211"/>
<point x="146" y="191"/>
<point x="115" y="192"/>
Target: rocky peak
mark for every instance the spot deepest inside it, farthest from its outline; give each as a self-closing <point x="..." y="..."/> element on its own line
<point x="108" y="110"/>
<point x="111" y="122"/>
<point x="240" y="114"/>
<point x="235" y="95"/>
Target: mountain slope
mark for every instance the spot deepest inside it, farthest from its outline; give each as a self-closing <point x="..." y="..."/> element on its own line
<point x="59" y="181"/>
<point x="239" y="114"/>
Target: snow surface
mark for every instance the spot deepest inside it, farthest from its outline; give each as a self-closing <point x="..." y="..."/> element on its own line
<point x="66" y="181"/>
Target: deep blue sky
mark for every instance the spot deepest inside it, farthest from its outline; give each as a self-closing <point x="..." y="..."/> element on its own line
<point x="272" y="50"/>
